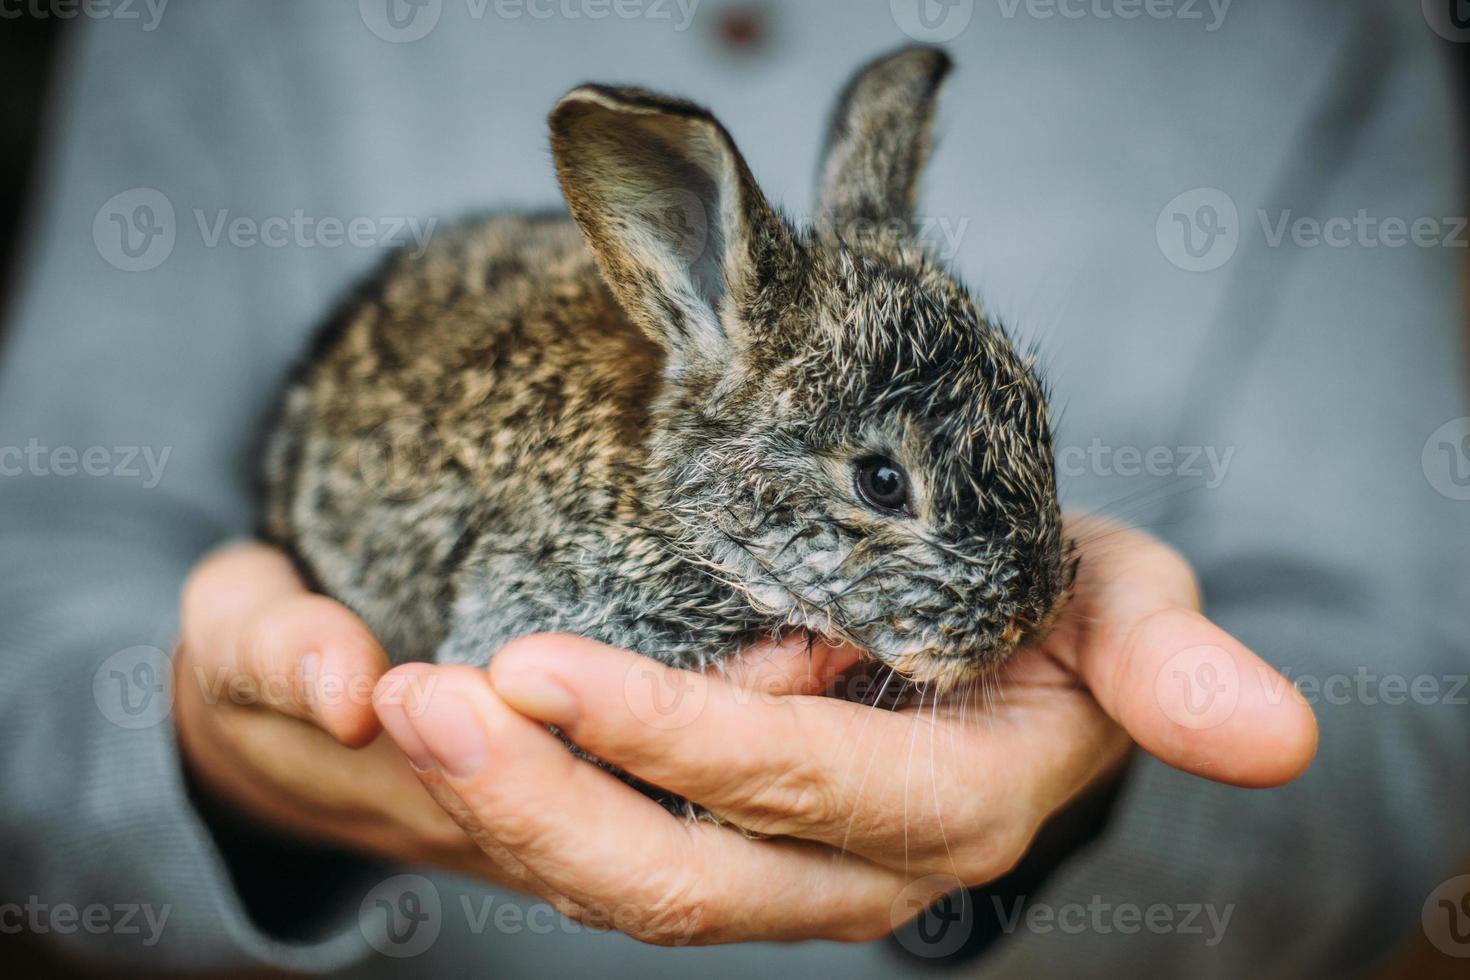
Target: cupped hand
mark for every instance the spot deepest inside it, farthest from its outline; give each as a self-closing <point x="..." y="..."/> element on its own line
<point x="273" y="690"/>
<point x="867" y="813"/>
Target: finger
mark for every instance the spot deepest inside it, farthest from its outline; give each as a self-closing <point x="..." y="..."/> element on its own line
<point x="570" y="824"/>
<point x="1183" y="688"/>
<point x="797" y="664"/>
<point x="1195" y="697"/>
<point x="230" y="586"/>
<point x="391" y="699"/>
<point x="892" y="786"/>
<point x="367" y="798"/>
<point x="257" y="637"/>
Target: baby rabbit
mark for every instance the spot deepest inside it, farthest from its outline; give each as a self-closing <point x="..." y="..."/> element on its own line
<point x="680" y="424"/>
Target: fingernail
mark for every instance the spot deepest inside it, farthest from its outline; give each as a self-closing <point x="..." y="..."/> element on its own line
<point x="451" y="733"/>
<point x="536" y="694"/>
<point x="400" y="729"/>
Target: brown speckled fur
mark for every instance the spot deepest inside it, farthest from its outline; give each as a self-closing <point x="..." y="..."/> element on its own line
<point x="651" y="442"/>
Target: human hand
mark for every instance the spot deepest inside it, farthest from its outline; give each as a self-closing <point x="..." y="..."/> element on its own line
<point x="273" y="691"/>
<point x="871" y="813"/>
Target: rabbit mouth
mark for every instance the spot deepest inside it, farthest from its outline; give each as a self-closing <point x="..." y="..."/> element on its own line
<point x="940" y="670"/>
<point x="944" y="669"/>
<point x="920" y="661"/>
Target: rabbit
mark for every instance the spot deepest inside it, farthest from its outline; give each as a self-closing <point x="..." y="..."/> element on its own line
<point x="675" y="422"/>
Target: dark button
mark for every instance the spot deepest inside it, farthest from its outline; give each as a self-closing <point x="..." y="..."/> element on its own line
<point x="743" y="27"/>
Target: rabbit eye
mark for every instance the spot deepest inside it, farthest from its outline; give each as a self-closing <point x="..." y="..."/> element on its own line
<point x="882" y="484"/>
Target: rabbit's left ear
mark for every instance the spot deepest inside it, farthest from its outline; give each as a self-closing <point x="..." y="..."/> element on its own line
<point x="878" y="141"/>
<point x="682" y="233"/>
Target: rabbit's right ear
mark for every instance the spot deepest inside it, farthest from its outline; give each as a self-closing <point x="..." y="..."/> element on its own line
<point x="680" y="230"/>
<point x="877" y="142"/>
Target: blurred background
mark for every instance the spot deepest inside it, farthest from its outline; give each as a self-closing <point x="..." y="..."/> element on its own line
<point x="32" y="42"/>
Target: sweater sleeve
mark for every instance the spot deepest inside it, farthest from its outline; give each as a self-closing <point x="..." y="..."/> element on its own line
<point x="138" y="364"/>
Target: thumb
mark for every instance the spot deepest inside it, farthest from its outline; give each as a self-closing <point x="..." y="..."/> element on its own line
<point x="1197" y="698"/>
<point x="1183" y="688"/>
<point x="256" y="636"/>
